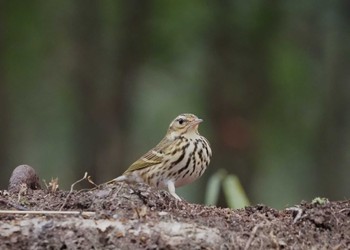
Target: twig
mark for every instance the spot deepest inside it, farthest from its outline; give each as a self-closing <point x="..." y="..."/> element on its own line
<point x="138" y="193"/>
<point x="84" y="177"/>
<point x="23" y="190"/>
<point x="72" y="188"/>
<point x="53" y="185"/>
<point x="47" y="212"/>
<point x="90" y="180"/>
<point x="121" y="186"/>
<point x="344" y="209"/>
<point x="297" y="209"/>
<point x="252" y="235"/>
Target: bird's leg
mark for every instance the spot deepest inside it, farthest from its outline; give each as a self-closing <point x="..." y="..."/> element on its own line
<point x="171" y="188"/>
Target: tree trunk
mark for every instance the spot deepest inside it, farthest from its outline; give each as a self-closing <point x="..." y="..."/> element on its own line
<point x="4" y="104"/>
<point x="237" y="87"/>
<point x="106" y="107"/>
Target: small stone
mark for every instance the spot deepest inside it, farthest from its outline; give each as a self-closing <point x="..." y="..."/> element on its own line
<point x="23" y="174"/>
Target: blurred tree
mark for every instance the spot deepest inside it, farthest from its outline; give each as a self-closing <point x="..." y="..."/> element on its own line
<point x="106" y="107"/>
<point x="332" y="146"/>
<point x="237" y="81"/>
<point x="305" y="130"/>
<point x="4" y="105"/>
<point x="86" y="34"/>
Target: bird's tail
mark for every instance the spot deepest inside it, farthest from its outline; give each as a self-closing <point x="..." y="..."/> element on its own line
<point x="118" y="179"/>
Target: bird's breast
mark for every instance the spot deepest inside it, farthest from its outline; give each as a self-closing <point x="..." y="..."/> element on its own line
<point x="190" y="162"/>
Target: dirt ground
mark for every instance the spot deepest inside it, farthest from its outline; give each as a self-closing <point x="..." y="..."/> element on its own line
<point x="123" y="216"/>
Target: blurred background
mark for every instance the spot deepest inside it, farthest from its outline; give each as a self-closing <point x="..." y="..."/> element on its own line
<point x="92" y="85"/>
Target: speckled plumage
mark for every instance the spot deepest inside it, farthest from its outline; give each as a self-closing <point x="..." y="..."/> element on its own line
<point x="179" y="159"/>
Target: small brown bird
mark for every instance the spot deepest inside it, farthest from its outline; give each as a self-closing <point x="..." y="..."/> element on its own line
<point x="180" y="157"/>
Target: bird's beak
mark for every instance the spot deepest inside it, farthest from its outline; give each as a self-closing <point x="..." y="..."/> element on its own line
<point x="196" y="122"/>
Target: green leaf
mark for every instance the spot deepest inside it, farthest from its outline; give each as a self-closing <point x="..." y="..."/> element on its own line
<point x="213" y="187"/>
<point x="234" y="192"/>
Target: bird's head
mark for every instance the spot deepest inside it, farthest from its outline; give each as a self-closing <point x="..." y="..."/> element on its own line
<point x="184" y="124"/>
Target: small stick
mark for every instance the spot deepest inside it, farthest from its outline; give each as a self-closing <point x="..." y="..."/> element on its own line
<point x="23" y="190"/>
<point x="71" y="190"/>
<point x="72" y="186"/>
<point x="344" y="209"/>
<point x="299" y="213"/>
<point x="90" y="180"/>
<point x="252" y="235"/>
<point x="43" y="212"/>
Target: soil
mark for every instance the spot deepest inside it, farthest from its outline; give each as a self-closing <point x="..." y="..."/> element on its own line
<point x="124" y="216"/>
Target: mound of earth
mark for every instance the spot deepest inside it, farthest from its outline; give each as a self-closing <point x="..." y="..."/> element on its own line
<point x="123" y="216"/>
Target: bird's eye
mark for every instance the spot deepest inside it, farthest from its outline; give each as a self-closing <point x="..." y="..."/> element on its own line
<point x="181" y="121"/>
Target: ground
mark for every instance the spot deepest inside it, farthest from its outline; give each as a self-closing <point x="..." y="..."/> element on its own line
<point x="123" y="216"/>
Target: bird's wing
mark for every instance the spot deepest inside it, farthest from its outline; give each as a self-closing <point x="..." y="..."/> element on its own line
<point x="151" y="158"/>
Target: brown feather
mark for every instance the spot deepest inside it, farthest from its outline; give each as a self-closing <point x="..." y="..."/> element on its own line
<point x="150" y="159"/>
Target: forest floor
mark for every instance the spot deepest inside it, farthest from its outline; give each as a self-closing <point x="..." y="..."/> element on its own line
<point x="123" y="216"/>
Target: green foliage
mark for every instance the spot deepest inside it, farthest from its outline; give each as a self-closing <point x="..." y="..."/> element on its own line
<point x="234" y="193"/>
<point x="320" y="201"/>
<point x="213" y="187"/>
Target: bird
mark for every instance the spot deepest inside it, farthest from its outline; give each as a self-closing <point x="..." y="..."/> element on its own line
<point x="178" y="159"/>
